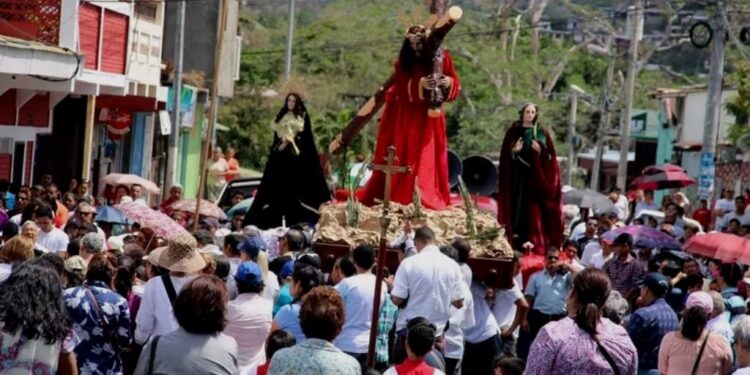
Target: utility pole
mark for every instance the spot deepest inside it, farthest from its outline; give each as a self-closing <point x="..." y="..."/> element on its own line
<point x="636" y="31"/>
<point x="606" y="118"/>
<point x="179" y="43"/>
<point x="572" y="116"/>
<point x="289" y="38"/>
<point x="221" y="25"/>
<point x="713" y="108"/>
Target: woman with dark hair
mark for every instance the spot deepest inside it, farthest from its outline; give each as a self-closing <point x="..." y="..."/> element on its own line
<point x="304" y="279"/>
<point x="584" y="342"/>
<point x="693" y="349"/>
<point x="322" y="318"/>
<point x="293" y="185"/>
<point x="530" y="201"/>
<point x="198" y="346"/>
<point x="34" y="326"/>
<point x="101" y="319"/>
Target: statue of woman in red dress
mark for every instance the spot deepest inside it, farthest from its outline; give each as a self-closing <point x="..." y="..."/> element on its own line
<point x="530" y="196"/>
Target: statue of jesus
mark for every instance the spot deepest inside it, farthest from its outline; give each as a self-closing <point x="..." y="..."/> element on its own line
<point x="411" y="121"/>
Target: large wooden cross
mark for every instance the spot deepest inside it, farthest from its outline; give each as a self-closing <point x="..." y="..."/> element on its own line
<point x="385" y="221"/>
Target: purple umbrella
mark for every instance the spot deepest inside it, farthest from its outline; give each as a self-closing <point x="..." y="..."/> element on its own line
<point x="645" y="237"/>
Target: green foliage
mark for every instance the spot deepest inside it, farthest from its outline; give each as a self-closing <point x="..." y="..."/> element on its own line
<point x="344" y="51"/>
<point x="739" y="107"/>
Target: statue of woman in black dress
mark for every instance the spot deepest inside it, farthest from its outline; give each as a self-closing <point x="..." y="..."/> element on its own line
<point x="293" y="185"/>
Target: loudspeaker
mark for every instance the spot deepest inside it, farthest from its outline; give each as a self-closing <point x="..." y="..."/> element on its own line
<point x="455" y="168"/>
<point x="480" y="175"/>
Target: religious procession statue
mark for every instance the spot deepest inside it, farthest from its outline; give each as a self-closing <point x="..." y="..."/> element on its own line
<point x="423" y="78"/>
<point x="530" y="196"/>
<point x="293" y="185"/>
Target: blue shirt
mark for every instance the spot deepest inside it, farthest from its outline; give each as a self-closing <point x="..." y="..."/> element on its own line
<point x="647" y="327"/>
<point x="284" y="298"/>
<point x="103" y="337"/>
<point x="288" y="320"/>
<point x="549" y="293"/>
<point x="10" y="201"/>
<point x="734" y="304"/>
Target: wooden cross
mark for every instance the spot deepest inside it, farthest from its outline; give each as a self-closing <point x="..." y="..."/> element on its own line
<point x="389" y="169"/>
<point x="385" y="221"/>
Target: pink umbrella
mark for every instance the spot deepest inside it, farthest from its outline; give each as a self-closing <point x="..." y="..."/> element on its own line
<point x="162" y="225"/>
<point x="661" y="177"/>
<point x="723" y="246"/>
<point x="207" y="208"/>
<point x="129" y="179"/>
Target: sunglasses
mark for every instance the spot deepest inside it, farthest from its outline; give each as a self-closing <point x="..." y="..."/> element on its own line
<point x="553" y="258"/>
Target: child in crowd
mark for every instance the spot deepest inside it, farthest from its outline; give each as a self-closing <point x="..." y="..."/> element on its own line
<point x="276" y="341"/>
<point x="508" y="365"/>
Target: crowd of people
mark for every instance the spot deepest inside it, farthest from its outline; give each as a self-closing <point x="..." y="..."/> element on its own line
<point x="227" y="299"/>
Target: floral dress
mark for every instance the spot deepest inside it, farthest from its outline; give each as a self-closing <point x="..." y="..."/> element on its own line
<point x="103" y="332"/>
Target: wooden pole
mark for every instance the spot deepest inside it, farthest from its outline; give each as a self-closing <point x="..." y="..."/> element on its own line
<point x="622" y="167"/>
<point x="713" y="110"/>
<point x="88" y="139"/>
<point x="214" y="106"/>
<point x="385" y="221"/>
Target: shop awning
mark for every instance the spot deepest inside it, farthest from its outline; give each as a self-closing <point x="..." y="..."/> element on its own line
<point x="23" y="57"/>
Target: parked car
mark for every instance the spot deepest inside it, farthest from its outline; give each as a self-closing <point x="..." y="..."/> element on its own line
<point x="247" y="186"/>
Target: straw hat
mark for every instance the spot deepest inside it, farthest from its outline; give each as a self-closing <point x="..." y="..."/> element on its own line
<point x="181" y="255"/>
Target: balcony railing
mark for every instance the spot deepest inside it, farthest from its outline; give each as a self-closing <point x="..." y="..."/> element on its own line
<point x="31" y="19"/>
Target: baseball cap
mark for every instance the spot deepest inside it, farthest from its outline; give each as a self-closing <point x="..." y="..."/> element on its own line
<point x="702" y="300"/>
<point x="252" y="245"/>
<point x="76" y="264"/>
<point x="657" y="283"/>
<point x="287" y="270"/>
<point x="85" y="208"/>
<point x="249" y="272"/>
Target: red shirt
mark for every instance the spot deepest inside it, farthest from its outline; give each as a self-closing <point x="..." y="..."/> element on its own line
<point x="703" y="216"/>
<point x="263" y="369"/>
<point x="234" y="167"/>
<point x="413" y="367"/>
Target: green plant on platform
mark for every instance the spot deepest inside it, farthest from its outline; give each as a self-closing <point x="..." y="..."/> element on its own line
<point x="416" y="199"/>
<point x="352" y="205"/>
<point x="471" y="226"/>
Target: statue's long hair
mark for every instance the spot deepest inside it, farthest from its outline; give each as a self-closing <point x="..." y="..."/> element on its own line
<point x="519" y="122"/>
<point x="299" y="107"/>
<point x="408" y="58"/>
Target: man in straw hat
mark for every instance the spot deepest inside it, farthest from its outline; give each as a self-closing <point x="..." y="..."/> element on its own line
<point x="184" y="263"/>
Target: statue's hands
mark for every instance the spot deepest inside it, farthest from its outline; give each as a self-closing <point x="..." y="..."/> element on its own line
<point x="536" y="147"/>
<point x="430" y="83"/>
<point x="445" y="82"/>
<point x="336" y="145"/>
<point x="518" y="146"/>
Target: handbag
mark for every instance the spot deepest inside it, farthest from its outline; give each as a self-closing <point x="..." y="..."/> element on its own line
<point x="110" y="334"/>
<point x="700" y="354"/>
<point x="607" y="356"/>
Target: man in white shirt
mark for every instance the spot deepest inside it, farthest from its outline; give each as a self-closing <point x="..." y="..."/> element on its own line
<point x="509" y="306"/>
<point x="645" y="201"/>
<point x="216" y="174"/>
<point x="50" y="238"/>
<point x="621" y="203"/>
<point x="461" y="319"/>
<point x="426" y="285"/>
<point x="483" y="341"/>
<point x="136" y="191"/>
<point x="155" y="316"/>
<point x="357" y="291"/>
<point x="739" y="213"/>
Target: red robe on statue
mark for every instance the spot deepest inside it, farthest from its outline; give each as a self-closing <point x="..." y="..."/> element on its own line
<point x="530" y="204"/>
<point x="420" y="141"/>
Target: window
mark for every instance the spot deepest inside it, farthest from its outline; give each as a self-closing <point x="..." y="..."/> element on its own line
<point x="146" y="10"/>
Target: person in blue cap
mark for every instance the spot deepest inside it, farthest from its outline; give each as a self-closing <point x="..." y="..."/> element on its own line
<point x="649" y="324"/>
<point x="253" y="249"/>
<point x="249" y="315"/>
<point x="285" y="294"/>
